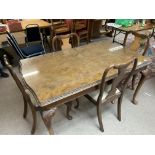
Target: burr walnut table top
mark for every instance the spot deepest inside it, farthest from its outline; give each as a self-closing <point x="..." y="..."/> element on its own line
<point x="55" y="75"/>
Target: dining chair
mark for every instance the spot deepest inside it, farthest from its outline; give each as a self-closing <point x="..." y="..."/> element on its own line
<point x="30" y="99"/>
<point x="109" y="93"/>
<point x="140" y="45"/>
<point x="32" y="32"/>
<point x="81" y="27"/>
<point x="47" y="33"/>
<point x="60" y="27"/>
<point x="57" y="44"/>
<point x="25" y="52"/>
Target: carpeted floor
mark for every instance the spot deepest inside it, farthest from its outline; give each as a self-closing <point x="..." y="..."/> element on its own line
<point x="136" y="119"/>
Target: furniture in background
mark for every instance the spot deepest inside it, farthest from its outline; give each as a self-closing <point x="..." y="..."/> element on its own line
<point x="72" y="39"/>
<point x="128" y="30"/>
<point x="96" y="26"/>
<point x="81" y="27"/>
<point x="60" y="27"/>
<point x="33" y="36"/>
<point x="110" y="93"/>
<point x="75" y="72"/>
<point x="25" y="52"/>
<point x="42" y="24"/>
<point x="29" y="98"/>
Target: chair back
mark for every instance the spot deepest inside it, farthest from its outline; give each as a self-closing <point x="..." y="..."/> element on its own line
<point x="78" y="25"/>
<point x="140" y="40"/>
<point x="32" y="33"/>
<point x="124" y="73"/>
<point x="20" y="83"/>
<point x="12" y="41"/>
<point x="57" y="41"/>
<point x="14" y="75"/>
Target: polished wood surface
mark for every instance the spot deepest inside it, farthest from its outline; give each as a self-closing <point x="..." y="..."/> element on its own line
<point x="56" y="74"/>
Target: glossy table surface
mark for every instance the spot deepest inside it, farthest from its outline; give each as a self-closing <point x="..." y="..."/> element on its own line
<point x="56" y="75"/>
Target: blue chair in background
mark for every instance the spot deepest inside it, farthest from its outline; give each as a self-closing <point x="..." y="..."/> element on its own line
<point x="25" y="52"/>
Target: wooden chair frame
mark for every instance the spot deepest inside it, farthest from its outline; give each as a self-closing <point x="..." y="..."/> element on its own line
<point x="120" y="82"/>
<point x="46" y="115"/>
<point x="57" y="41"/>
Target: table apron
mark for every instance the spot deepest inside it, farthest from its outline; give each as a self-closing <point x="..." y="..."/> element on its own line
<point x="79" y="94"/>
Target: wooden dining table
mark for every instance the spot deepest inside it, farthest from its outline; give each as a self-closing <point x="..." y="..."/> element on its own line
<point x="60" y="77"/>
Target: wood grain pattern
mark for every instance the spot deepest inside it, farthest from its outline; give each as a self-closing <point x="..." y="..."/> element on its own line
<point x="54" y="74"/>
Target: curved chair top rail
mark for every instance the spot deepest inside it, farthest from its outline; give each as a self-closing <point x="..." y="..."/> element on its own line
<point x="60" y="37"/>
<point x="121" y="80"/>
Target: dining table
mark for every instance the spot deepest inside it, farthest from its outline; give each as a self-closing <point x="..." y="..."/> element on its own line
<point x="60" y="77"/>
<point x="131" y="29"/>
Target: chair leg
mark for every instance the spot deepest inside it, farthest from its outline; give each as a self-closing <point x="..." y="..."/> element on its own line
<point x="34" y="120"/>
<point x="119" y="107"/>
<point x="69" y="108"/>
<point x="47" y="117"/>
<point x="77" y="105"/>
<point x="134" y="81"/>
<point x="141" y="82"/>
<point x="87" y="39"/>
<point x="99" y="115"/>
<point x="25" y="108"/>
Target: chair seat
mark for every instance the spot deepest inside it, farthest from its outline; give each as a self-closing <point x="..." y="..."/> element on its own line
<point x="36" y="49"/>
<point x="95" y="94"/>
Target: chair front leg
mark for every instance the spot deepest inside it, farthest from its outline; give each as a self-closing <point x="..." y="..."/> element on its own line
<point x="99" y="115"/>
<point x="134" y="81"/>
<point x="141" y="82"/>
<point x="34" y="118"/>
<point x="119" y="107"/>
<point x="47" y="117"/>
<point x="25" y="108"/>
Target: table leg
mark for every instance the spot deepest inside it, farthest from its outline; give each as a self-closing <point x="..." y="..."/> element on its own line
<point x="125" y="38"/>
<point x="114" y="35"/>
<point x="47" y="117"/>
<point x="141" y="82"/>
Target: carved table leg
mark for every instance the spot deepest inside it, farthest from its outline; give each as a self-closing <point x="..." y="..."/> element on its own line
<point x="47" y="118"/>
<point x="141" y="82"/>
<point x="69" y="107"/>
